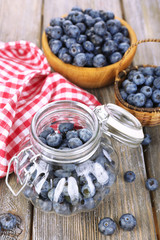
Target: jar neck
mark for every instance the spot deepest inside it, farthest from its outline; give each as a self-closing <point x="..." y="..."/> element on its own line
<point x="65" y="111"/>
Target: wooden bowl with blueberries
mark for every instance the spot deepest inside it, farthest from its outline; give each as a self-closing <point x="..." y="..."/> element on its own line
<point x="86" y="46"/>
<point x="137" y="89"/>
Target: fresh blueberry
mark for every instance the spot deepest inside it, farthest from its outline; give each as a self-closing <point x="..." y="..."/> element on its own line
<point x="73" y="31"/>
<point x="109" y="47"/>
<point x="112" y="178"/>
<point x="107" y="36"/>
<point x="133" y="73"/>
<point x="138" y="79"/>
<point x="55" y="46"/>
<point x="149" y="103"/>
<point x="131" y="88"/>
<point x="43" y="140"/>
<point x="156" y="96"/>
<point x="147" y="71"/>
<point x="45" y="188"/>
<point x="110" y="15"/>
<point x="87" y="203"/>
<point x="71" y="134"/>
<point x="129" y="176"/>
<point x="96" y="40"/>
<point x="115" y="57"/>
<point x="65" y="127"/>
<point x="88" y="46"/>
<point x="100" y="28"/>
<point x="45" y="205"/>
<point x="94" y="13"/>
<point x="148" y="80"/>
<point x="69" y="167"/>
<point x="76" y="8"/>
<point x="130" y="99"/>
<point x="127" y="222"/>
<point x="89" y="32"/>
<point x="151" y="184"/>
<point x="112" y="26"/>
<point x="123" y="47"/>
<point x="85" y="134"/>
<point x="156" y="82"/>
<point x="89" y="21"/>
<point x="77" y="17"/>
<point x="48" y="31"/>
<point x="66" y="24"/>
<point x="56" y="21"/>
<point x="126" y="40"/>
<point x="87" y="10"/>
<point x="157" y="71"/>
<point x="97" y="50"/>
<point x="74" y="143"/>
<point x="97" y="19"/>
<point x="89" y="59"/>
<point x="87" y="191"/>
<point x="56" y="32"/>
<point x="99" y="60"/>
<point x="62" y="208"/>
<point x="118" y="37"/>
<point x="64" y="39"/>
<point x="75" y="49"/>
<point x="81" y="27"/>
<point x="60" y="173"/>
<point x="61" y="52"/>
<point x="46" y="131"/>
<point x="147" y="139"/>
<point x="101" y="159"/>
<point x="80" y="60"/>
<point x="54" y="140"/>
<point x="29" y="192"/>
<point x="9" y="221"/>
<point x="139" y="99"/>
<point x="81" y="39"/>
<point x="147" y="91"/>
<point x="124" y="31"/>
<point x="125" y="82"/>
<point x="66" y="57"/>
<point x="123" y="94"/>
<point x="107" y="226"/>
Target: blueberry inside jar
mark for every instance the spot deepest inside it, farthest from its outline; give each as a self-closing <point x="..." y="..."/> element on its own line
<point x="70" y="166"/>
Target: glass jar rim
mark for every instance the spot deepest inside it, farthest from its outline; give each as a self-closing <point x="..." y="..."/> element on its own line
<point x="73" y="155"/>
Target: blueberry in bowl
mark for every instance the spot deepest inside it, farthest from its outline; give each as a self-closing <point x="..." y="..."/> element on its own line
<point x="84" y="46"/>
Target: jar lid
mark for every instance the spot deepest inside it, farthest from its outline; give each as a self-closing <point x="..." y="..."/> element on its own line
<point x="118" y="123"/>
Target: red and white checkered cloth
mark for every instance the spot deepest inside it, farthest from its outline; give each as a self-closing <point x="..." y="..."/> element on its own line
<point x="27" y="84"/>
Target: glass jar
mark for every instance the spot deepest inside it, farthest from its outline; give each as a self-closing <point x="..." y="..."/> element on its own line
<point x="67" y="181"/>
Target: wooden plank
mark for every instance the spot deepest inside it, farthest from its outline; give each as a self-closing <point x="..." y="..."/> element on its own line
<point x="148" y="19"/>
<point x="19" y="20"/>
<point x="125" y="198"/>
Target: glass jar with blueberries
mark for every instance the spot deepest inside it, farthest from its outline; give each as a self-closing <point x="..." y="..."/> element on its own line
<point x="68" y="164"/>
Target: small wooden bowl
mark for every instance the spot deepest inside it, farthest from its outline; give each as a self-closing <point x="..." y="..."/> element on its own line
<point x="89" y="77"/>
<point x="147" y="116"/>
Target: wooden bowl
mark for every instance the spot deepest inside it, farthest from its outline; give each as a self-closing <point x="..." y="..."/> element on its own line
<point x="89" y="77"/>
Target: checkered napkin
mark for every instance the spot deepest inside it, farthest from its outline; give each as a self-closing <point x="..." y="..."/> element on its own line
<point x="27" y="84"/>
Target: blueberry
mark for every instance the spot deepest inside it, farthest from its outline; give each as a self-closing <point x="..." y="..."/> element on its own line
<point x="81" y="27"/>
<point x="55" y="46"/>
<point x="66" y="24"/>
<point x="130" y="99"/>
<point x="129" y="176"/>
<point x="156" y="82"/>
<point x="64" y="38"/>
<point x="82" y="38"/>
<point x="51" y="194"/>
<point x="61" y="52"/>
<point x="77" y="17"/>
<point x="56" y="21"/>
<point x="110" y="15"/>
<point x="123" y="94"/>
<point x="115" y="57"/>
<point x="118" y="37"/>
<point x="56" y="32"/>
<point x="73" y="31"/>
<point x="54" y="140"/>
<point x="125" y="82"/>
<point x="87" y="203"/>
<point x="131" y="88"/>
<point x="75" y="49"/>
<point x="124" y="31"/>
<point x="43" y="140"/>
<point x="151" y="184"/>
<point x="138" y="79"/>
<point x="69" y="167"/>
<point x="45" y="205"/>
<point x="147" y="71"/>
<point x="101" y="160"/>
<point x="74" y="143"/>
<point x="97" y="19"/>
<point x="126" y="40"/>
<point x="29" y="192"/>
<point x="60" y="173"/>
<point x="9" y="221"/>
<point x="80" y="60"/>
<point x="112" y="26"/>
<point x="89" y="21"/>
<point x="97" y="50"/>
<point x="87" y="10"/>
<point x="107" y="36"/>
<point x="157" y="71"/>
<point x="123" y="47"/>
<point x="139" y="99"/>
<point x="99" y="60"/>
<point x="85" y="134"/>
<point x="133" y="73"/>
<point x="100" y="28"/>
<point x="94" y="13"/>
<point x="103" y="15"/>
<point x="65" y="127"/>
<point x="149" y="80"/>
<point x="109" y="47"/>
<point x="46" y="131"/>
<point x="71" y="134"/>
<point x="76" y="8"/>
<point x="149" y="103"/>
<point x="62" y="208"/>
<point x="147" y="139"/>
<point x="48" y="31"/>
<point x="156" y="96"/>
<point x="66" y="57"/>
<point x="89" y="59"/>
<point x="127" y="222"/>
<point x="87" y="191"/>
<point x="88" y="46"/>
<point x="96" y="40"/>
<point x="112" y="178"/>
<point x="107" y="226"/>
<point x="89" y="32"/>
<point x="45" y="188"/>
<point x="147" y="91"/>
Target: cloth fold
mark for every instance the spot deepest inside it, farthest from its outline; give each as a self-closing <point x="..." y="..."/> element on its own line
<point x="27" y="84"/>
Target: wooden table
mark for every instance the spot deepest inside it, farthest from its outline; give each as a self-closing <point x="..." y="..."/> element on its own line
<point x="26" y="20"/>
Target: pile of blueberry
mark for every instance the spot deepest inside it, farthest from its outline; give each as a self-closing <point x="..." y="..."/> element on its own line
<point x="8" y="222"/>
<point x="89" y="38"/>
<point x="70" y="188"/>
<point x="141" y="88"/>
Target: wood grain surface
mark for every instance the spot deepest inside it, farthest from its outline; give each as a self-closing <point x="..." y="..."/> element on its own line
<point x="26" y="20"/>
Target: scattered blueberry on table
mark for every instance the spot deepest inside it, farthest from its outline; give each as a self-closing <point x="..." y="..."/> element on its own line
<point x="127" y="222"/>
<point x="141" y="88"/>
<point x="151" y="184"/>
<point x="129" y="176"/>
<point x="107" y="226"/>
<point x="88" y="31"/>
<point x="9" y="221"/>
